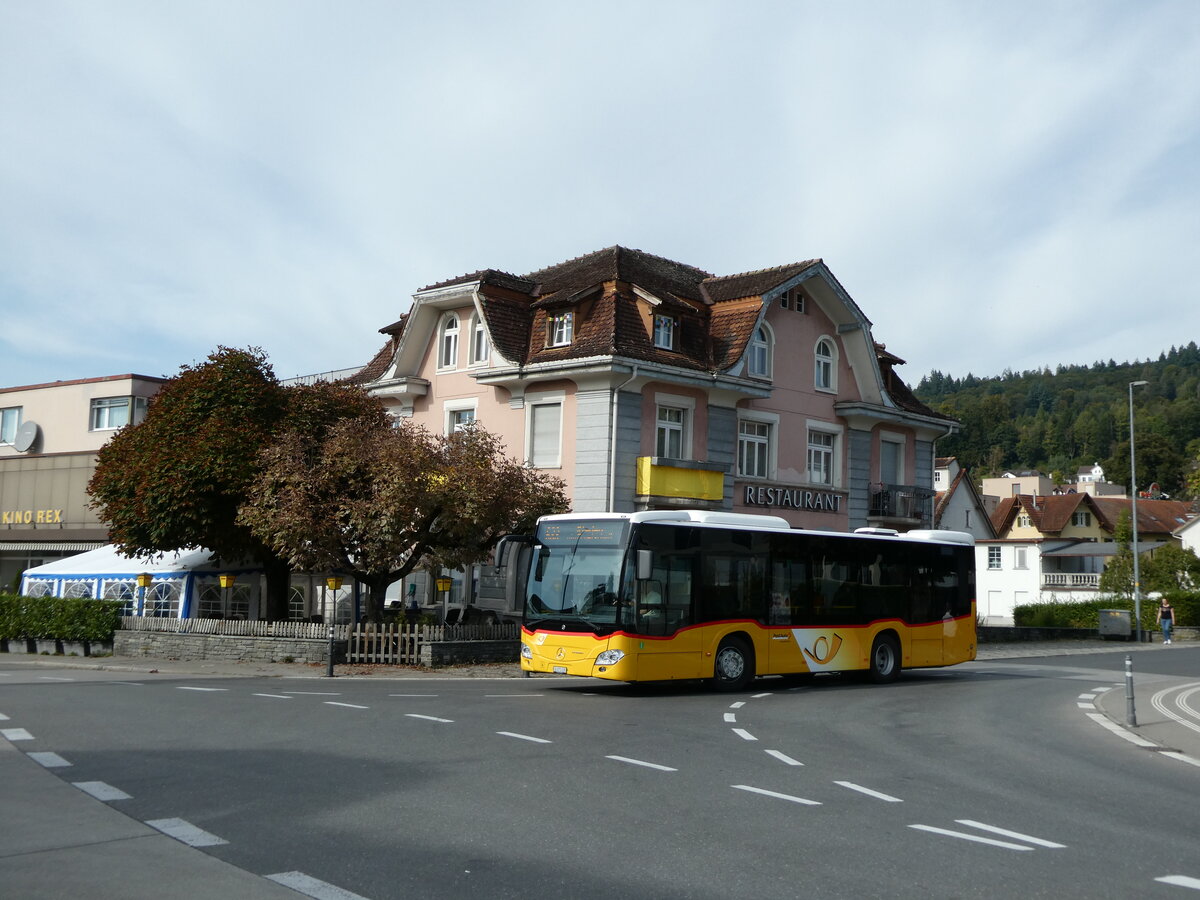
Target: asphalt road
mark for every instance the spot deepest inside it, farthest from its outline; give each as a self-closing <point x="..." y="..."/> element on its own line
<point x="985" y="780"/>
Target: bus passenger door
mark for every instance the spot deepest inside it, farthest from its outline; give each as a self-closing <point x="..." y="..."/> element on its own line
<point x="667" y="647"/>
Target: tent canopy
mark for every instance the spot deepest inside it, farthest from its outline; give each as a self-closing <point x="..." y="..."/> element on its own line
<point x="108" y="561"/>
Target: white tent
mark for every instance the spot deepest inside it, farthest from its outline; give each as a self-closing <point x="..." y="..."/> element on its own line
<point x="178" y="583"/>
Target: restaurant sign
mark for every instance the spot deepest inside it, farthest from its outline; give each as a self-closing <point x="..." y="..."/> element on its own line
<point x="793" y="498"/>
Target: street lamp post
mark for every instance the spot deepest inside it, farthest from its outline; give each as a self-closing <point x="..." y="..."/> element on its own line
<point x="1137" y="587"/>
<point x="334" y="583"/>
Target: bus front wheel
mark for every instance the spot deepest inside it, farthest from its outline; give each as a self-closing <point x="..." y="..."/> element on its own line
<point x="733" y="668"/>
<point x="885" y="659"/>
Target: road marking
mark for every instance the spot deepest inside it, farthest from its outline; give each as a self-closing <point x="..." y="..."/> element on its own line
<point x="49" y="760"/>
<point x="1087" y="697"/>
<point x="1083" y="705"/>
<point x="1016" y="835"/>
<point x="1102" y="688"/>
<point x="783" y="757"/>
<point x="640" y="762"/>
<point x="3" y="717"/>
<point x="16" y="734"/>
<point x="1182" y="757"/>
<point x="101" y="791"/>
<point x="53" y="678"/>
<point x="730" y="717"/>
<point x="760" y="696"/>
<point x="348" y="705"/>
<point x="521" y="696"/>
<point x="525" y="737"/>
<point x="208" y="689"/>
<point x="186" y="832"/>
<point x="275" y="696"/>
<point x="1181" y="881"/>
<point x="744" y="734"/>
<point x="1160" y="703"/>
<point x="971" y="837"/>
<point x="737" y="705"/>
<point x="412" y="695"/>
<point x="775" y="794"/>
<point x="315" y="693"/>
<point x="311" y="887"/>
<point x="870" y="793"/>
<point x="427" y="718"/>
<point x="1102" y="720"/>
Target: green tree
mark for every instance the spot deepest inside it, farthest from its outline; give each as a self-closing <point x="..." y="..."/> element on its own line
<point x="374" y="501"/>
<point x="1117" y="577"/>
<point x="178" y="478"/>
<point x="1171" y="568"/>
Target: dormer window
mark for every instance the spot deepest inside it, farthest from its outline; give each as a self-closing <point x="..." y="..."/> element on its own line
<point x="480" y="349"/>
<point x="448" y="343"/>
<point x="759" y="353"/>
<point x="560" y="329"/>
<point x="664" y="332"/>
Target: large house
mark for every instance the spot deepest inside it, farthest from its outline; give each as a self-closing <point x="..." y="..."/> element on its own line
<point x="1054" y="547"/>
<point x="646" y="383"/>
<point x="49" y="437"/>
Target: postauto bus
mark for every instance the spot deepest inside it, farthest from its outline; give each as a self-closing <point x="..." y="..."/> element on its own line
<point x="688" y="594"/>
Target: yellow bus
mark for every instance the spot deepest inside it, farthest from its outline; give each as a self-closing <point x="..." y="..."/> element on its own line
<point x="688" y="594"/>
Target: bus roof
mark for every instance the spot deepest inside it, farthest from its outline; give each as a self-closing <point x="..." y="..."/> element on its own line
<point x="767" y="523"/>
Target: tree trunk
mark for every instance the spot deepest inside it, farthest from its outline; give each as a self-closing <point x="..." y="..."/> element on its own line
<point x="279" y="577"/>
<point x="376" y="595"/>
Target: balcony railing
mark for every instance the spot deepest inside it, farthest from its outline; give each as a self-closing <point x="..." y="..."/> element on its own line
<point x="902" y="502"/>
<point x="1084" y="581"/>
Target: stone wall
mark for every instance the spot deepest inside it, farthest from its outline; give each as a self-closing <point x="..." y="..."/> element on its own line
<point x="159" y="645"/>
<point x="449" y="653"/>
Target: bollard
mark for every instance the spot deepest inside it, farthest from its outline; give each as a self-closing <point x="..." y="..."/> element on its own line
<point x="329" y="671"/>
<point x="1130" y="712"/>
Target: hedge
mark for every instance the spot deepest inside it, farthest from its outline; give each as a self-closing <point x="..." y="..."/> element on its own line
<point x="1086" y="613"/>
<point x="63" y="618"/>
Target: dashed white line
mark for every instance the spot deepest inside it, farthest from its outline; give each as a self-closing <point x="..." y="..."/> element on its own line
<point x="49" y="760"/>
<point x="783" y="757"/>
<point x="737" y="705"/>
<point x="971" y="837"/>
<point x="3" y="717"/>
<point x="312" y="887"/>
<point x="16" y="734"/>
<point x="1181" y="881"/>
<point x="53" y="678"/>
<point x="778" y="796"/>
<point x="349" y="705"/>
<point x="315" y="693"/>
<point x="642" y="762"/>
<point x="730" y="717"/>
<point x="275" y="696"/>
<point x="511" y="696"/>
<point x="760" y="696"/>
<point x="186" y="832"/>
<point x="186" y="688"/>
<point x="101" y="791"/>
<point x="1016" y="835"/>
<point x="427" y="718"/>
<point x="744" y="734"/>
<point x="412" y="695"/>
<point x="870" y="793"/>
<point x="525" y="737"/>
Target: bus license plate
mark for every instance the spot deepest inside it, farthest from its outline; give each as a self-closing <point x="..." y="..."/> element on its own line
<point x="560" y="670"/>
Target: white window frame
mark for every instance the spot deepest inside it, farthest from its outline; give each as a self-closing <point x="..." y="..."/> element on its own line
<point x="1020" y="558"/>
<point x="687" y="408"/>
<point x="825" y="365"/>
<point x="760" y="352"/>
<point x="451" y="407"/>
<point x="838" y="434"/>
<point x="994" y="562"/>
<point x="447" y="359"/>
<point x="900" y="442"/>
<point x="560" y="329"/>
<point x="10" y="421"/>
<point x="546" y="402"/>
<point x="664" y="331"/>
<point x="770" y="440"/>
<point x="481" y="348"/>
<point x="100" y="415"/>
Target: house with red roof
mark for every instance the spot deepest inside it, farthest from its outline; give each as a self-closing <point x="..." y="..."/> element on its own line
<point x="1054" y="548"/>
<point x="646" y="383"/>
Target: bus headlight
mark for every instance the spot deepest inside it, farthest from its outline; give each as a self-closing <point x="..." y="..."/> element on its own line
<point x="526" y="652"/>
<point x="610" y="657"/>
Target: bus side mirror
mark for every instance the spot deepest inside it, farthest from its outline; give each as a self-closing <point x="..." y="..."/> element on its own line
<point x="645" y="564"/>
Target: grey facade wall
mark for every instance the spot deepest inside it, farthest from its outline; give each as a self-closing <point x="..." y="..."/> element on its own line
<point x="722" y="446"/>
<point x="858" y="478"/>
<point x="924" y="461"/>
<point x="593" y="421"/>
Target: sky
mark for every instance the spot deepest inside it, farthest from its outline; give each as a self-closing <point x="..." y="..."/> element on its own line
<point x="997" y="185"/>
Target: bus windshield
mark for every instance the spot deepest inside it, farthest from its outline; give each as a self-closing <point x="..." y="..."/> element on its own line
<point x="575" y="574"/>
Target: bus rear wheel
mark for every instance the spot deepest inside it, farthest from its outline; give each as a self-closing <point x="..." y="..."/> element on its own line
<point x="885" y="659"/>
<point x="733" y="669"/>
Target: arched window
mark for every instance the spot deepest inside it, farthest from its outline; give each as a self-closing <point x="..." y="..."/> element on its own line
<point x="448" y="343"/>
<point x="759" y="352"/>
<point x="480" y="349"/>
<point x="825" y="366"/>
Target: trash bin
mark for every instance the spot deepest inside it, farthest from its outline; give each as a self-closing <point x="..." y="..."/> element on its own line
<point x="1115" y="623"/>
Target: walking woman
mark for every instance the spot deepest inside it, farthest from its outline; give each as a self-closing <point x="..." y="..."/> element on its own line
<point x="1166" y="618"/>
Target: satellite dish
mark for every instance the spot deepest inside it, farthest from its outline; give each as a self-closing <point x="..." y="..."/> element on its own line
<point x="26" y="436"/>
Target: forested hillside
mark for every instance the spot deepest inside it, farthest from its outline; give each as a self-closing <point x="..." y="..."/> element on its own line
<point x="1056" y="421"/>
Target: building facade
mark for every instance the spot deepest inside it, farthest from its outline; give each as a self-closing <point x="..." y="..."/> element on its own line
<point x="49" y="437"/>
<point x="646" y="383"/>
